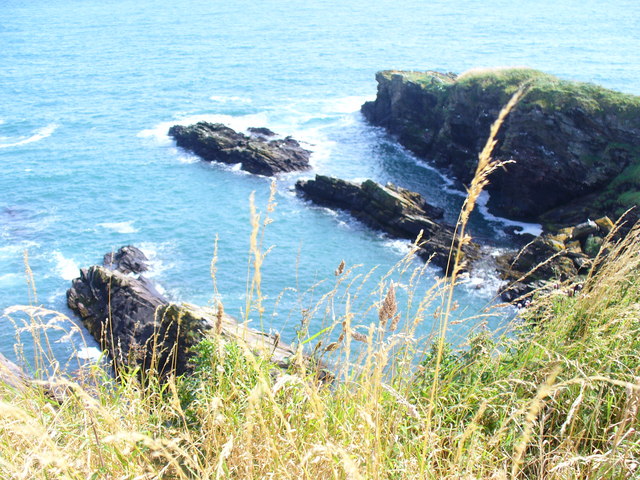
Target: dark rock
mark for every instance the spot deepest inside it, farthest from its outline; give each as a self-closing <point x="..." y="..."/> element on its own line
<point x="139" y="327"/>
<point x="394" y="210"/>
<point x="255" y="154"/>
<point x="128" y="259"/>
<point x="557" y="257"/>
<point x="261" y="131"/>
<point x="576" y="146"/>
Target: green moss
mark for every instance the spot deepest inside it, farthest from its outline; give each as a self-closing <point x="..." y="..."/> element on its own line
<point x="546" y="91"/>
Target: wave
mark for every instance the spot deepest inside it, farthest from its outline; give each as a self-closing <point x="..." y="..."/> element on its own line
<point x="119" y="227"/>
<point x="534" y="229"/>
<point x="39" y="134"/>
<point x="89" y="353"/>
<point x="66" y="268"/>
<point x="155" y="253"/>
<point x="10" y="279"/>
<point x="230" y="99"/>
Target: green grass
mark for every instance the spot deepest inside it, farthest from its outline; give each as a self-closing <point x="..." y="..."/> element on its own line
<point x="546" y="91"/>
<point x="556" y="399"/>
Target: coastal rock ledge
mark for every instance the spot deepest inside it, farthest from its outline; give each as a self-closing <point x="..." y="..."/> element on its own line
<point x="575" y="146"/>
<point x="399" y="212"/>
<point x="138" y="326"/>
<point x="255" y="152"/>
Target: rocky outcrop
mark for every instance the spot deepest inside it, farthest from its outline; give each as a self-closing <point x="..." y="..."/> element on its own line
<point x="394" y="210"/>
<point x="575" y="147"/>
<point x="559" y="257"/>
<point x="255" y="152"/>
<point x="127" y="259"/>
<point x="139" y="327"/>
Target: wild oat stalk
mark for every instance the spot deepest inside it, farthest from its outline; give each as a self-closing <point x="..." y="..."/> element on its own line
<point x="486" y="166"/>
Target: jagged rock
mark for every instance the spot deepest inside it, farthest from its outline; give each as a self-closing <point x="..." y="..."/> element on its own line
<point x="138" y="326"/>
<point x="261" y="131"/>
<point x="559" y="257"/>
<point x="127" y="259"/>
<point x="255" y="154"/>
<point x="576" y="146"/>
<point x="394" y="210"/>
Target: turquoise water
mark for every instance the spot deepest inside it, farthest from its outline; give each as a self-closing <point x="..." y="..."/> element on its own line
<point x="88" y="90"/>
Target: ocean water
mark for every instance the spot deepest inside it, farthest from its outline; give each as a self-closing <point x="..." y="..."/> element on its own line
<point x="88" y="90"/>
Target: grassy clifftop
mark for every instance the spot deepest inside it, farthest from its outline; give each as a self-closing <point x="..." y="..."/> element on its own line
<point x="576" y="146"/>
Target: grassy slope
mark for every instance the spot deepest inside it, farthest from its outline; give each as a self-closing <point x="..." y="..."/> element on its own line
<point x="557" y="400"/>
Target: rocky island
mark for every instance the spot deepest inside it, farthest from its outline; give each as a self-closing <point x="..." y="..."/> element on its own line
<point x="575" y="146"/>
<point x="399" y="212"/>
<point x="259" y="152"/>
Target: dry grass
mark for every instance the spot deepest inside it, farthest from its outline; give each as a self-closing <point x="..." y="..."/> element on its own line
<point x="559" y="399"/>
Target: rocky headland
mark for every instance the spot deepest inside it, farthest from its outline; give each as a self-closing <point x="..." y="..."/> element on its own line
<point x="575" y="147"/>
<point x="399" y="212"/>
<point x="258" y="153"/>
<point x="573" y="151"/>
<point x="138" y="326"/>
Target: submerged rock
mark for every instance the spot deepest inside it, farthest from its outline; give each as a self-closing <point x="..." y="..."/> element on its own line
<point x="576" y="146"/>
<point x="137" y="326"/>
<point x="394" y="210"/>
<point x="255" y="153"/>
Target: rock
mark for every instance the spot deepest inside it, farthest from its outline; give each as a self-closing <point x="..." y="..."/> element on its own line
<point x="394" y="210"/>
<point x="261" y="131"/>
<point x="604" y="224"/>
<point x="255" y="154"/>
<point x="558" y="257"/>
<point x="128" y="259"/>
<point x="576" y="146"/>
<point x="592" y="245"/>
<point x="139" y="327"/>
<point x="583" y="230"/>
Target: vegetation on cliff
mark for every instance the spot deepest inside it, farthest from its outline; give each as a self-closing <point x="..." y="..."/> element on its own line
<point x="575" y="146"/>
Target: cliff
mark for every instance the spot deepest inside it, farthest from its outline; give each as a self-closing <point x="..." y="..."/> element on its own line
<point x="575" y="146"/>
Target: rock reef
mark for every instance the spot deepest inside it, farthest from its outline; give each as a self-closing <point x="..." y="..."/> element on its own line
<point x="575" y="146"/>
<point x="394" y="210"/>
<point x="255" y="153"/>
<point x="139" y="327"/>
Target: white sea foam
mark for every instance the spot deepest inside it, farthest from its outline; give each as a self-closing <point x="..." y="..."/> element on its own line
<point x="230" y="99"/>
<point x="119" y="227"/>
<point x="398" y="245"/>
<point x="39" y="134"/>
<point x="184" y="157"/>
<point x="483" y="281"/>
<point x="521" y="227"/>
<point x="343" y="105"/>
<point x="89" y="353"/>
<point x="9" y="252"/>
<point x="155" y="253"/>
<point x="66" y="268"/>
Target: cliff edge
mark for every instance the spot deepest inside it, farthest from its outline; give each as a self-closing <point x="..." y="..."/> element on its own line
<point x="575" y="146"/>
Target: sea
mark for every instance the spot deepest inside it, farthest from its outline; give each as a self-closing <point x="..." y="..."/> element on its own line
<point x="88" y="90"/>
